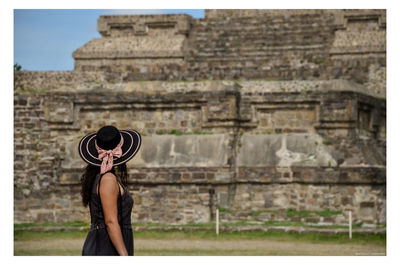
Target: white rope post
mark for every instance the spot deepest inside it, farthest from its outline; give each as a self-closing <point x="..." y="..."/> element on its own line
<point x="350" y="235"/>
<point x="217" y="221"/>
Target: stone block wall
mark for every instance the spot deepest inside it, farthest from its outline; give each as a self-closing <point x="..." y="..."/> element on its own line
<point x="255" y="149"/>
<point x="260" y="47"/>
<point x="292" y="129"/>
<point x="242" y="44"/>
<point x="137" y="47"/>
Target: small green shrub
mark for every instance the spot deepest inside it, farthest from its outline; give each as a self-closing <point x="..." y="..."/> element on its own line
<point x="17" y="67"/>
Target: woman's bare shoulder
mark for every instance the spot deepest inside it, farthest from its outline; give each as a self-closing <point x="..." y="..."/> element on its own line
<point x="108" y="180"/>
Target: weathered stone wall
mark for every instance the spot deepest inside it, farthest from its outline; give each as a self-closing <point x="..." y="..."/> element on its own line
<point x="139" y="47"/>
<point x="242" y="44"/>
<point x="294" y="130"/>
<point x="253" y="148"/>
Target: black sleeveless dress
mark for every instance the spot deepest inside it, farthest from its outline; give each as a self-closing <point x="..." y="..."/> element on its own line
<point x="98" y="242"/>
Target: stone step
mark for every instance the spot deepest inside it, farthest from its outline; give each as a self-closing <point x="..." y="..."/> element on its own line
<point x="264" y="24"/>
<point x="304" y="20"/>
<point x="264" y="48"/>
<point x="250" y="56"/>
<point x="261" y="44"/>
<point x="259" y="39"/>
<point x="219" y="33"/>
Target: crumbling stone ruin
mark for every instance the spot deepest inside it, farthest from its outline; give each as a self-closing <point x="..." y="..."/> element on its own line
<point x="264" y="114"/>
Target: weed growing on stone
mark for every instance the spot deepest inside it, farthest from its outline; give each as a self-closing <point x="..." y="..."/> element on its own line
<point x="31" y="91"/>
<point x="224" y="210"/>
<point x="282" y="223"/>
<point x="237" y="83"/>
<point x="258" y="212"/>
<point x="328" y="212"/>
<point x="292" y="212"/>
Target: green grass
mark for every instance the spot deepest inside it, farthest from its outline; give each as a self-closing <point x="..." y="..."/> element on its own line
<point x="326" y="213"/>
<point x="139" y="224"/>
<point x="41" y="91"/>
<point x="237" y="83"/>
<point x="378" y="225"/>
<point x="319" y="61"/>
<point x="291" y="212"/>
<point x="26" y="235"/>
<point x="210" y="235"/>
<point x="275" y="235"/>
<point x="335" y="226"/>
<point x="179" y="252"/>
<point x="258" y="212"/>
<point x="224" y="210"/>
<point x="282" y="223"/>
<point x="158" y="252"/>
<point x="212" y="252"/>
<point x="49" y="224"/>
<point x="48" y="252"/>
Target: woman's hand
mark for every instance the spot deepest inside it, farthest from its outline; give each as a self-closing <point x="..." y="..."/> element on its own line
<point x="109" y="196"/>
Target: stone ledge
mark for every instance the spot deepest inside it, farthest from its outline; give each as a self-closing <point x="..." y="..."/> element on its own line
<point x="140" y="24"/>
<point x="71" y="82"/>
<point x="247" y="175"/>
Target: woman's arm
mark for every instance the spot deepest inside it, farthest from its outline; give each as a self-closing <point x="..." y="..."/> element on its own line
<point x="109" y="195"/>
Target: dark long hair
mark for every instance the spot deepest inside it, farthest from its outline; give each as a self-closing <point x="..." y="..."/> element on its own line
<point x="89" y="175"/>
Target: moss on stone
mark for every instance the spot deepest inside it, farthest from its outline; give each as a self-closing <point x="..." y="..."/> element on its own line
<point x="292" y="212"/>
<point x="328" y="212"/>
<point x="224" y="210"/>
<point x="31" y="91"/>
<point x="325" y="213"/>
<point x="258" y="212"/>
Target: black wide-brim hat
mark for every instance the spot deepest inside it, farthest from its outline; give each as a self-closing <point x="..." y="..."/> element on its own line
<point x="88" y="152"/>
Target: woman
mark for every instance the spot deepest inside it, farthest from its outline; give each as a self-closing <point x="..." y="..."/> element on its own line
<point x="104" y="190"/>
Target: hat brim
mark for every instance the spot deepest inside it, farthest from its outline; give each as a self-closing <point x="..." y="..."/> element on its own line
<point x="88" y="152"/>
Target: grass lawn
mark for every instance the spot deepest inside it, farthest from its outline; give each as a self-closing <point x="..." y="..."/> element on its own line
<point x="380" y="239"/>
<point x="205" y="242"/>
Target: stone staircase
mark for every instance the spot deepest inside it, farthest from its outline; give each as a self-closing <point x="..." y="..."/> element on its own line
<point x="283" y="47"/>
